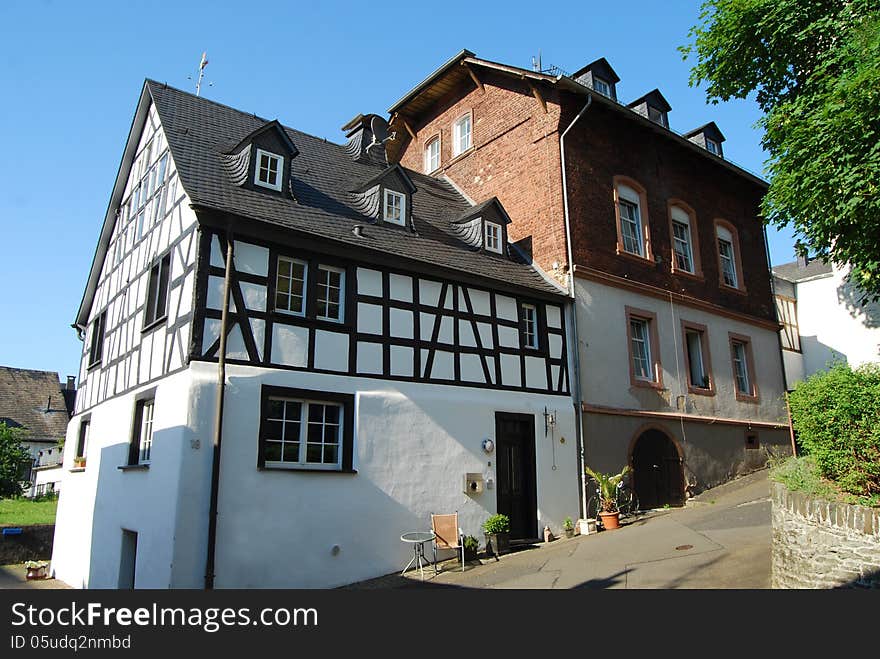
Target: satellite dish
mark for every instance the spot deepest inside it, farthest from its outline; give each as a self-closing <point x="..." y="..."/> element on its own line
<point x="380" y="129"/>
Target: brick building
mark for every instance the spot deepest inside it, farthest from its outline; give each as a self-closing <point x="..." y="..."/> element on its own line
<point x="658" y="239"/>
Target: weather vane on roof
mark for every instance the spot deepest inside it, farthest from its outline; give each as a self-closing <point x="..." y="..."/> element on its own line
<point x="202" y="64"/>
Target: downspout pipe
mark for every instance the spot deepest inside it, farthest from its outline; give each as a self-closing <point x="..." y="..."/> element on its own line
<point x="218" y="421"/>
<point x="578" y="404"/>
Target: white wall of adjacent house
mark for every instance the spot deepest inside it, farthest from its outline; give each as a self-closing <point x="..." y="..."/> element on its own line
<point x="830" y="328"/>
<point x="154" y="219"/>
<point x="605" y="357"/>
<point x="413" y="445"/>
<point x="165" y="504"/>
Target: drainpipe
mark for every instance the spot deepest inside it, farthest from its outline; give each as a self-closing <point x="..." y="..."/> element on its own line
<point x="218" y="421"/>
<point x="578" y="416"/>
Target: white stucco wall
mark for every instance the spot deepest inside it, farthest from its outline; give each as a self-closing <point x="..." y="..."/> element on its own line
<point x="829" y="330"/>
<point x="604" y="352"/>
<point x="165" y="504"/>
<point x="413" y="444"/>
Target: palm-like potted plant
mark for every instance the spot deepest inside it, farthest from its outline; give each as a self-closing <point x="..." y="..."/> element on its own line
<point x="497" y="530"/>
<point x="609" y="513"/>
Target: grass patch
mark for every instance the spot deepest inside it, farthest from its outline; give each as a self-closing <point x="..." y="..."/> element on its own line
<point x="801" y="474"/>
<point x="24" y="512"/>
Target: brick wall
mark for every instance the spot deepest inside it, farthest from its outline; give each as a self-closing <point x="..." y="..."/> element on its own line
<point x="515" y="158"/>
<point x="605" y="144"/>
<point x="819" y="544"/>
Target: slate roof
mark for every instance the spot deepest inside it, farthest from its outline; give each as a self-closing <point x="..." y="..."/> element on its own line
<point x="25" y="396"/>
<point x="795" y="272"/>
<point x="199" y="131"/>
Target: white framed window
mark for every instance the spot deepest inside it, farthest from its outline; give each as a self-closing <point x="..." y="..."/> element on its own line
<point x="290" y="286"/>
<point x="640" y="345"/>
<point x="696" y="350"/>
<point x="394" y="208"/>
<point x="331" y="292"/>
<point x="681" y="240"/>
<point x="82" y="444"/>
<point x="432" y="155"/>
<point x="727" y="257"/>
<point x="461" y="135"/>
<point x="713" y="147"/>
<point x="530" y="326"/>
<point x="602" y="86"/>
<point x="268" y="171"/>
<point x="741" y="368"/>
<point x="303" y="433"/>
<point x="630" y="220"/>
<point x="143" y="440"/>
<point x="493" y="237"/>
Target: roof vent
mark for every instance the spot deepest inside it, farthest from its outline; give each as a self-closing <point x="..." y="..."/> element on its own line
<point x="358" y="230"/>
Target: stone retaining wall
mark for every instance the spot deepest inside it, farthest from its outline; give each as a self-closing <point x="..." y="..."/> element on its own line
<point x="34" y="544"/>
<point x="820" y="544"/>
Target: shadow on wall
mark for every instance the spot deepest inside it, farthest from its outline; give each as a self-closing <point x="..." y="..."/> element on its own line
<point x="867" y="580"/>
<point x="819" y="356"/>
<point x="857" y="304"/>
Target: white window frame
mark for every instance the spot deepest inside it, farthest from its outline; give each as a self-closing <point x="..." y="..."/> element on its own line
<point x="302" y="440"/>
<point x="681" y="218"/>
<point x="318" y="284"/>
<point x="698" y="362"/>
<point x="429" y="157"/>
<point x="492" y="237"/>
<point x="725" y="239"/>
<point x="391" y="194"/>
<point x="598" y="83"/>
<point x="713" y="147"/>
<point x="529" y="316"/>
<point x="279" y="175"/>
<point x="146" y="430"/>
<point x="644" y="342"/>
<point x="741" y="363"/>
<point x="305" y="286"/>
<point x="628" y="196"/>
<point x="458" y="141"/>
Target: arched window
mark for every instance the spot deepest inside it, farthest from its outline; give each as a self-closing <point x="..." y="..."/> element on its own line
<point x="684" y="237"/>
<point x="729" y="260"/>
<point x="631" y="212"/>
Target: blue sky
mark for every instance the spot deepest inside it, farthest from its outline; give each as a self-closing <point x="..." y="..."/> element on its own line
<point x="71" y="73"/>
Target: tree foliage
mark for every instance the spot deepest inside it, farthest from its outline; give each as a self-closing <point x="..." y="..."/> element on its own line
<point x="836" y="415"/>
<point x="814" y="67"/>
<point x="12" y="456"/>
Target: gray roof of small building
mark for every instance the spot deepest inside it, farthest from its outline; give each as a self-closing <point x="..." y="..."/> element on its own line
<point x="199" y="131"/>
<point x="795" y="272"/>
<point x="34" y="401"/>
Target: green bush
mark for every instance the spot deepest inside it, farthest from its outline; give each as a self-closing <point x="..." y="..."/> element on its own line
<point x="471" y="543"/>
<point x="497" y="524"/>
<point x="836" y="415"/>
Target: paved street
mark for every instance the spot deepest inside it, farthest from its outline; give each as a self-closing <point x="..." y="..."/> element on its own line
<point x="721" y="539"/>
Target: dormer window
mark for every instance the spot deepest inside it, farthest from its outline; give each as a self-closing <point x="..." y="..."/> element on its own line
<point x="268" y="170"/>
<point x="602" y="86"/>
<point x="713" y="147"/>
<point x="394" y="208"/>
<point x="656" y="116"/>
<point x="493" y="237"/>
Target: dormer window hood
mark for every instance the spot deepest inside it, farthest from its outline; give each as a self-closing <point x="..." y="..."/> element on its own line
<point x="367" y="136"/>
<point x="653" y="106"/>
<point x="262" y="159"/>
<point x="708" y="137"/>
<point x="600" y="77"/>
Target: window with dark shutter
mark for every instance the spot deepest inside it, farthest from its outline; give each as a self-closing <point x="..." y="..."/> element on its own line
<point x="157" y="292"/>
<point x="96" y="347"/>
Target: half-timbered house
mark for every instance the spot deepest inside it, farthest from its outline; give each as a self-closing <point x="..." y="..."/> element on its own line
<point x="294" y="352"/>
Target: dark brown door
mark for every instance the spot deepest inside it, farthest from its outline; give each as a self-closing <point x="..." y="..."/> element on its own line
<point x="658" y="475"/>
<point x="515" y="470"/>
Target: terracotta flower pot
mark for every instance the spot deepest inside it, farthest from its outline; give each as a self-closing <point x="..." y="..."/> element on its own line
<point x="610" y="520"/>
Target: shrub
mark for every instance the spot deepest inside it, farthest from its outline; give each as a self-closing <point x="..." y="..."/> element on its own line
<point x="836" y="415"/>
<point x="471" y="544"/>
<point x="497" y="524"/>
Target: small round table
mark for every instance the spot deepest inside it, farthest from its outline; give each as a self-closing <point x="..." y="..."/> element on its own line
<point x="418" y="540"/>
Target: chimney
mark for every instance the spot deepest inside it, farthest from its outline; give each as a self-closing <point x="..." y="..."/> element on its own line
<point x="361" y="145"/>
<point x="71" y="382"/>
<point x="803" y="260"/>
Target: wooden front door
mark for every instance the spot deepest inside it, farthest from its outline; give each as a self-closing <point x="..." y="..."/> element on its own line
<point x="515" y="469"/>
<point x="658" y="475"/>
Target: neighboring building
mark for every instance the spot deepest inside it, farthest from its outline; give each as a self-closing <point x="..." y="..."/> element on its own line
<point x="680" y="371"/>
<point x="823" y="319"/>
<point x="380" y="329"/>
<point x="40" y="405"/>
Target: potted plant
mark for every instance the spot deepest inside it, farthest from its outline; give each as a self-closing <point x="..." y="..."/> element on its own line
<point x="497" y="530"/>
<point x="36" y="569"/>
<point x="609" y="514"/>
<point x="568" y="527"/>
<point x="79" y="462"/>
<point x="471" y="546"/>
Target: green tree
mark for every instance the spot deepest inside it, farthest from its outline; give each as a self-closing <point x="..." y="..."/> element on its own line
<point x="12" y="456"/>
<point x="814" y="67"/>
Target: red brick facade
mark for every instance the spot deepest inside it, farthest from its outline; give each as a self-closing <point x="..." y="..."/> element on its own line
<point x="516" y="157"/>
